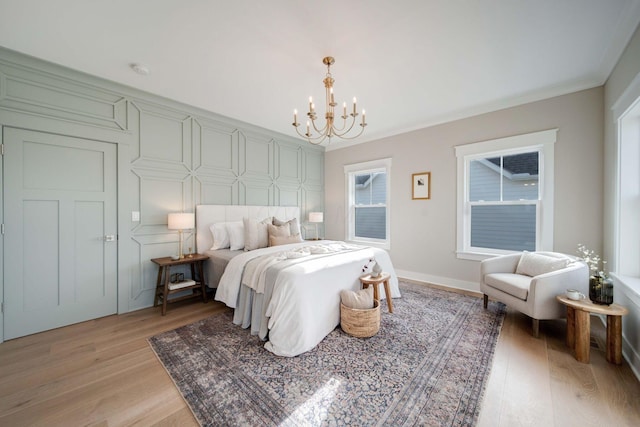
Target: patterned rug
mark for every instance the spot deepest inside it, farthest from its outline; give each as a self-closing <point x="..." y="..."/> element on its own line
<point x="428" y="365"/>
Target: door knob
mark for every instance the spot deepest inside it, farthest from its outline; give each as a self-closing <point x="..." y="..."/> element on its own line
<point x="109" y="238"/>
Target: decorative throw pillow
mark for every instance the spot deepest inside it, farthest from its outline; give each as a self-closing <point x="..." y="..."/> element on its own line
<point x="533" y="264"/>
<point x="362" y="299"/>
<point x="284" y="240"/>
<point x="236" y="235"/>
<point x="278" y="231"/>
<point x="294" y="225"/>
<point x="256" y="234"/>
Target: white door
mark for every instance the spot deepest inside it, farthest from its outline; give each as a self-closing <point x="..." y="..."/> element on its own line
<point x="60" y="251"/>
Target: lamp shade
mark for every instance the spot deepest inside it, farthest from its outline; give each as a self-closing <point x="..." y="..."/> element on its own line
<point x="316" y="217"/>
<point x="181" y="221"/>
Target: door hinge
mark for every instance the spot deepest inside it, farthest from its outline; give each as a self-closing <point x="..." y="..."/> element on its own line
<point x="1" y="228"/>
<point x="1" y="149"/>
<point x="1" y="307"/>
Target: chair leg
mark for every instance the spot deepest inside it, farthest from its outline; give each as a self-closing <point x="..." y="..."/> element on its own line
<point x="536" y="328"/>
<point x="485" y="300"/>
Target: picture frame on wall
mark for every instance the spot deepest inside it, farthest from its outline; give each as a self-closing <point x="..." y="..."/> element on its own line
<point x="421" y="186"/>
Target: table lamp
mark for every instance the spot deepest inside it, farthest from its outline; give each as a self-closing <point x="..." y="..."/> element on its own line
<point x="316" y="217"/>
<point x="181" y="222"/>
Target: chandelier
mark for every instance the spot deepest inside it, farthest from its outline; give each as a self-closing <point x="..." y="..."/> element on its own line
<point x="315" y="134"/>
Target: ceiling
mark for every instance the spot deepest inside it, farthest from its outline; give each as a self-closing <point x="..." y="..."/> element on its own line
<point x="411" y="63"/>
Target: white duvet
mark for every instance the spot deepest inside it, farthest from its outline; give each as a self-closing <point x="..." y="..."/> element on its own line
<point x="304" y="303"/>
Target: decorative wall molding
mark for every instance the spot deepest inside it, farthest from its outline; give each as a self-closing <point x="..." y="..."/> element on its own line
<point x="37" y="93"/>
<point x="171" y="157"/>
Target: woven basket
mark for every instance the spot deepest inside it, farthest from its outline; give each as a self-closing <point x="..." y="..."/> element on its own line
<point x="361" y="323"/>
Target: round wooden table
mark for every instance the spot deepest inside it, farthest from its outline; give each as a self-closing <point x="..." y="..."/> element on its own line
<point x="367" y="280"/>
<point x="579" y="327"/>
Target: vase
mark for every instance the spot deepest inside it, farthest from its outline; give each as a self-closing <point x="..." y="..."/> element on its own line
<point x="376" y="270"/>
<point x="601" y="290"/>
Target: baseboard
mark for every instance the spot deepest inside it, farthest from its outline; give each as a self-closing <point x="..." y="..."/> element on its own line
<point x="632" y="356"/>
<point x="628" y="352"/>
<point x="445" y="282"/>
<point x="626" y="292"/>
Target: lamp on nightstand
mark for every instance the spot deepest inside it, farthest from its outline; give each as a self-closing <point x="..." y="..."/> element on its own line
<point x="316" y="217"/>
<point x="181" y="222"/>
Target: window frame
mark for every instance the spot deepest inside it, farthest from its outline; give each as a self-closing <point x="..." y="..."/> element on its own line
<point x="624" y="244"/>
<point x="542" y="142"/>
<point x="373" y="166"/>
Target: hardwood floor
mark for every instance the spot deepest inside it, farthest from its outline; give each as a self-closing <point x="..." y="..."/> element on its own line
<point x="103" y="373"/>
<point x="538" y="382"/>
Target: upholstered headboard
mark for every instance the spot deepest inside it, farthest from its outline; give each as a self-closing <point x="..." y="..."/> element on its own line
<point x="210" y="214"/>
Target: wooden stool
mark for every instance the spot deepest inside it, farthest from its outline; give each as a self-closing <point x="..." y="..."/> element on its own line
<point x="367" y="280"/>
<point x="579" y="327"/>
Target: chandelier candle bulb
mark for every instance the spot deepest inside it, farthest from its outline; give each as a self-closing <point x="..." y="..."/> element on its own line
<point x="344" y="110"/>
<point x="363" y="114"/>
<point x="295" y="117"/>
<point x="355" y="113"/>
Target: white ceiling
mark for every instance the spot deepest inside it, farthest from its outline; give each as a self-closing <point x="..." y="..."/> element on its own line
<point x="411" y="63"/>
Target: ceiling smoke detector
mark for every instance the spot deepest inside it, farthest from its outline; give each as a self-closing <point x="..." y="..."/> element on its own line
<point x="143" y="70"/>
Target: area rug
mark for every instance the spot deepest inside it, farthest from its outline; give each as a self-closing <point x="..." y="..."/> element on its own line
<point x="428" y="365"/>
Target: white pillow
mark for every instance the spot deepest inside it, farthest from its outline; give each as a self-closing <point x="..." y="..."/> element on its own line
<point x="256" y="234"/>
<point x="220" y="236"/>
<point x="294" y="225"/>
<point x="236" y="235"/>
<point x="532" y="264"/>
<point x="362" y="299"/>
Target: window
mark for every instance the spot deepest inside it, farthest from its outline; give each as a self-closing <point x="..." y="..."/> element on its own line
<point x="627" y="242"/>
<point x="505" y="195"/>
<point x="368" y="202"/>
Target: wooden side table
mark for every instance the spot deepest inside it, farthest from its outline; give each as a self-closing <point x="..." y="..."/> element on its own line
<point x="579" y="327"/>
<point x="367" y="280"/>
<point x="164" y="273"/>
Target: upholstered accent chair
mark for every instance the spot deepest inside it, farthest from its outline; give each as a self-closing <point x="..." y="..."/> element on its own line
<point x="529" y="282"/>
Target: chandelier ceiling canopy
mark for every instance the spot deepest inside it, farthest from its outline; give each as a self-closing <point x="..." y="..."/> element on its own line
<point x="316" y="133"/>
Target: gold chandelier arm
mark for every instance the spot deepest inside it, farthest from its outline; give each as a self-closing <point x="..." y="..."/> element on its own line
<point x="317" y="140"/>
<point x="341" y="130"/>
<point x="315" y="128"/>
<point x="343" y="135"/>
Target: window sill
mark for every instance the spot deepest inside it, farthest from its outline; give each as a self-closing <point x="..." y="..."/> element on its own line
<point x="385" y="245"/>
<point x="630" y="285"/>
<point x="476" y="256"/>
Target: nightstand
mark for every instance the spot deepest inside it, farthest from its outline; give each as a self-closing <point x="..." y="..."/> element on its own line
<point x="164" y="286"/>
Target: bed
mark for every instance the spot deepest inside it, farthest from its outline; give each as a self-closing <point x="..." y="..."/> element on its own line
<point x="288" y="295"/>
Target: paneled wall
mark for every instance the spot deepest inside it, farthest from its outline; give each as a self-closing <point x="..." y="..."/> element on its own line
<point x="171" y="157"/>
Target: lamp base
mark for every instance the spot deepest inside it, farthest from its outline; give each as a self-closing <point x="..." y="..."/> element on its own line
<point x="180" y="254"/>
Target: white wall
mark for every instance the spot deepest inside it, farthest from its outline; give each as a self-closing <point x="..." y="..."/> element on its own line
<point x="423" y="232"/>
